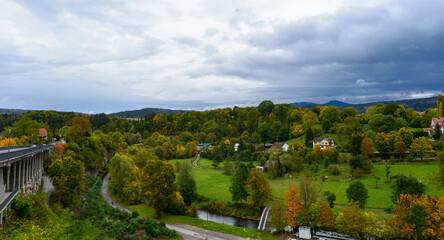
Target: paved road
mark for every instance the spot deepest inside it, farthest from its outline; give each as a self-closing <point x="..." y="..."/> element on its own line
<point x="187" y="232"/>
<point x="47" y="188"/>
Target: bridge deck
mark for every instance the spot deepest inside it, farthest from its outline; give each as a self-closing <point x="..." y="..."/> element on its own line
<point x="18" y="152"/>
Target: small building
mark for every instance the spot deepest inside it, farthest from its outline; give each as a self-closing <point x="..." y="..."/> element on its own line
<point x="261" y="168"/>
<point x="435" y="121"/>
<point x="281" y="145"/>
<point x="203" y="147"/>
<point x="324" y="142"/>
<point x="236" y="147"/>
<point x="43" y="134"/>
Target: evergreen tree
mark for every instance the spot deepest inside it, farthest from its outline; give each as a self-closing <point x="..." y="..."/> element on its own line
<point x="187" y="184"/>
<point x="437" y="133"/>
<point x="309" y="138"/>
<point x="238" y="180"/>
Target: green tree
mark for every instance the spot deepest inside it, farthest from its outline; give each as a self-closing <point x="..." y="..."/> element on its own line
<point x="68" y="177"/>
<point x="186" y="182"/>
<point x="407" y="185"/>
<point x="309" y="138"/>
<point x="357" y="192"/>
<point x="120" y="168"/>
<point x="440" y="159"/>
<point x="309" y="190"/>
<point x="440" y="105"/>
<point x="277" y="216"/>
<point x="331" y="198"/>
<point x="266" y="107"/>
<point x="329" y="115"/>
<point x="238" y="182"/>
<point x="348" y="112"/>
<point x="260" y="189"/>
<point x="437" y="133"/>
<point x="158" y="184"/>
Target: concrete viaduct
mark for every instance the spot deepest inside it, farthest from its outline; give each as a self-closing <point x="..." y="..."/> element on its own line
<point x="21" y="168"/>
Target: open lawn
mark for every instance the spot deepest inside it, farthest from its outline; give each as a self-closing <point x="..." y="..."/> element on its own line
<point x="214" y="184"/>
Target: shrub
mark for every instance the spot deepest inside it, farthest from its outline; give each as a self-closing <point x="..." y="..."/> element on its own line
<point x="335" y="170"/>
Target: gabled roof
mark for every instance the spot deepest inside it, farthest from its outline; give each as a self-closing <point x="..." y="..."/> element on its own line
<point x="43" y="132"/>
<point x="328" y="139"/>
<point x="278" y="144"/>
<point x="439" y="121"/>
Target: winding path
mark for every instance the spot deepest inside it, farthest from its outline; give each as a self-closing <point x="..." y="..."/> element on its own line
<point x="187" y="232"/>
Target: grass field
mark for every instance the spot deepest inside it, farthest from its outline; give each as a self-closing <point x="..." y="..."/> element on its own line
<point x="148" y="212"/>
<point x="214" y="184"/>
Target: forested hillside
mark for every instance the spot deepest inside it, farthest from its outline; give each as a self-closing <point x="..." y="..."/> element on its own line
<point x="144" y="112"/>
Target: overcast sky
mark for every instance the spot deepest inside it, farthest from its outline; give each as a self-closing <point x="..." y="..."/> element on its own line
<point x="107" y="56"/>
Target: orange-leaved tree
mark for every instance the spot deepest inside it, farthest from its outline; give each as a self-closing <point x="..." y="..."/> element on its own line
<point x="7" y="142"/>
<point x="294" y="206"/>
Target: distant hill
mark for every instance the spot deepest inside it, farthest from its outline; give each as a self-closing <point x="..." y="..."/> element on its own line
<point x="299" y="104"/>
<point x="12" y="111"/>
<point x="419" y="104"/>
<point x="330" y="103"/>
<point x="144" y="112"/>
<point x="337" y="103"/>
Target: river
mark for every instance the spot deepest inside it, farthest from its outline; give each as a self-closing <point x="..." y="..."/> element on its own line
<point x="233" y="221"/>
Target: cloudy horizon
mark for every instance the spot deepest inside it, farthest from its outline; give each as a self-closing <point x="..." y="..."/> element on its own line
<point x="109" y="56"/>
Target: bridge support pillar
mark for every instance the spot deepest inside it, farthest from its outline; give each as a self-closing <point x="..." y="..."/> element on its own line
<point x="19" y="185"/>
<point x="2" y="185"/>
<point x="8" y="172"/>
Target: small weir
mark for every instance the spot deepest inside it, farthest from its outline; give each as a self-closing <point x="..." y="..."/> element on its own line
<point x="228" y="220"/>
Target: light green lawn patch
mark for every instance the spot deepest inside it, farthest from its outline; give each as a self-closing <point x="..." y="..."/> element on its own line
<point x="300" y="139"/>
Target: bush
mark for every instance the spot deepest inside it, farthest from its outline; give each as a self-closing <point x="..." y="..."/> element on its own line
<point x="22" y="206"/>
<point x="314" y="167"/>
<point x="357" y="173"/>
<point x="335" y="170"/>
<point x="409" y="158"/>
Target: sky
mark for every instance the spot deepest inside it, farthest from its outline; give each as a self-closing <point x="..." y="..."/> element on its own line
<point x="113" y="55"/>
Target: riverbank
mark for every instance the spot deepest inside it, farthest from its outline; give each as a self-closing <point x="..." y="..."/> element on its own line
<point x="206" y="226"/>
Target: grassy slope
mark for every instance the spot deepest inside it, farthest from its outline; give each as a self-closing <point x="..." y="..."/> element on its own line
<point x="214" y="184"/>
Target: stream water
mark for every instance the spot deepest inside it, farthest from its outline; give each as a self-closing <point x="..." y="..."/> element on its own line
<point x="233" y="221"/>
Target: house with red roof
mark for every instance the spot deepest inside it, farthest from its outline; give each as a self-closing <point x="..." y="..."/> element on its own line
<point x="43" y="134"/>
<point x="435" y="121"/>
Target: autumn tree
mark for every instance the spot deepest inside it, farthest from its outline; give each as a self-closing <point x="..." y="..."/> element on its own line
<point x="293" y="206"/>
<point x="367" y="148"/>
<point x="382" y="142"/>
<point x="359" y="224"/>
<point x="158" y="184"/>
<point x="186" y="183"/>
<point x="68" y="178"/>
<point x="417" y="217"/>
<point x="400" y="149"/>
<point x="327" y="217"/>
<point x="420" y="147"/>
<point x="80" y="128"/>
<point x="8" y="142"/>
<point x="357" y="192"/>
<point x="260" y="189"/>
